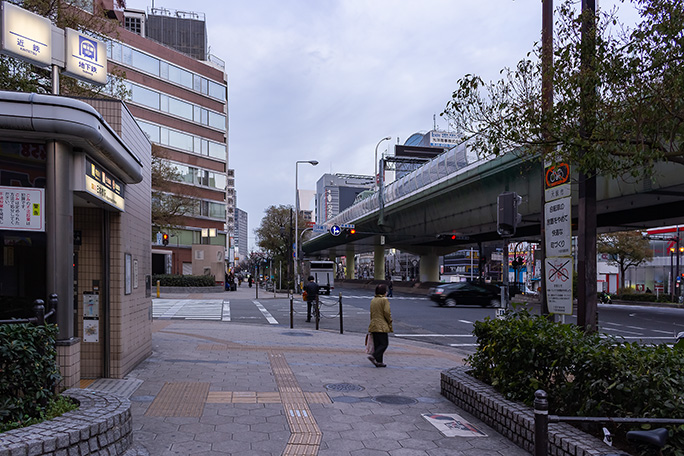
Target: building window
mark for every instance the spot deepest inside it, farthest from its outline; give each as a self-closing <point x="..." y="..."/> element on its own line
<point x="133" y="24"/>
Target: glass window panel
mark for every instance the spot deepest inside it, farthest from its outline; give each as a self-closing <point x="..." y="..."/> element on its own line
<point x="180" y="140"/>
<point x="204" y="120"/>
<point x="174" y="74"/>
<point x="205" y="147"/>
<point x="217" y="150"/>
<point x="164" y="136"/>
<point x="205" y="86"/>
<point x="217" y="120"/>
<point x="185" y="78"/>
<point x="197" y="114"/>
<point x="151" y="130"/>
<point x="144" y="96"/>
<point x="197" y="83"/>
<point x="197" y="143"/>
<point x="165" y="103"/>
<point x="217" y="180"/>
<point x="145" y="62"/>
<point x="180" y="108"/>
<point x="163" y="69"/>
<point x="127" y="55"/>
<point x="217" y="90"/>
<point x="217" y="210"/>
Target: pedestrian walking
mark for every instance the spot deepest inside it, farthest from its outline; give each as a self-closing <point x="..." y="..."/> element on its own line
<point x="311" y="289"/>
<point x="380" y="324"/>
<point x="390" y="289"/>
<point x="249" y="281"/>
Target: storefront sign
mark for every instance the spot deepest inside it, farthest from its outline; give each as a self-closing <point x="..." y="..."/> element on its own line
<point x="22" y="209"/>
<point x="104" y="186"/>
<point x="26" y="36"/>
<point x="86" y="58"/>
<point x="559" y="285"/>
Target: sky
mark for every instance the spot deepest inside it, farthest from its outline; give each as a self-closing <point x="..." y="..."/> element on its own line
<point x="326" y="80"/>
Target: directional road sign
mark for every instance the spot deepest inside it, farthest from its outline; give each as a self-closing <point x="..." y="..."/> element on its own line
<point x="335" y="230"/>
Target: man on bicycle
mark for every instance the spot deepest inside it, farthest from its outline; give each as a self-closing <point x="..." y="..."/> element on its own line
<point x="311" y="289"/>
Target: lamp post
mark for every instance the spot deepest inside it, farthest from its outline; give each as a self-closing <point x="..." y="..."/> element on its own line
<point x="375" y="176"/>
<point x="314" y="163"/>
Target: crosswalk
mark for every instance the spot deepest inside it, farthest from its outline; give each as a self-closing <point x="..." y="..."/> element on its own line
<point x="204" y="309"/>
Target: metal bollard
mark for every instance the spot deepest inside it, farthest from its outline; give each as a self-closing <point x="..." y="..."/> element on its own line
<point x="541" y="423"/>
<point x="158" y="286"/>
<point x="39" y="311"/>
<point x="317" y="311"/>
<point x="341" y="322"/>
<point x="291" y="293"/>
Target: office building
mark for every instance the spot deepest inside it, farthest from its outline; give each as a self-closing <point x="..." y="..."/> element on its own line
<point x="336" y="192"/>
<point x="178" y="95"/>
<point x="240" y="238"/>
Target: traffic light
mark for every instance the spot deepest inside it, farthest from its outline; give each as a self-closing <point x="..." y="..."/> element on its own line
<point x="165" y="239"/>
<point x="349" y="232"/>
<point x="507" y="213"/>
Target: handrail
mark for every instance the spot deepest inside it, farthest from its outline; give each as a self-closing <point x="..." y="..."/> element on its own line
<point x="39" y="310"/>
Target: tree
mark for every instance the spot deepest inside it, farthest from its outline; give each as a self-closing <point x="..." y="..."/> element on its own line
<point x="274" y="234"/>
<point x="171" y="200"/>
<point x="638" y="103"/>
<point x="626" y="249"/>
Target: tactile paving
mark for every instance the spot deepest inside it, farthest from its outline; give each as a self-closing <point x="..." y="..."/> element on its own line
<point x="180" y="399"/>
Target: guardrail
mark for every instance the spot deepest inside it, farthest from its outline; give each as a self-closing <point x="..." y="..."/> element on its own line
<point x="39" y="311"/>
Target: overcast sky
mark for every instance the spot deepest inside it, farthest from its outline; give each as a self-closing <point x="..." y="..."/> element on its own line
<point x="325" y="80"/>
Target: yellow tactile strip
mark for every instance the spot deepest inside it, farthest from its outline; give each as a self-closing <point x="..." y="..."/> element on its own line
<point x="305" y="437"/>
<point x="180" y="399"/>
<point x="252" y="397"/>
<point x="86" y="382"/>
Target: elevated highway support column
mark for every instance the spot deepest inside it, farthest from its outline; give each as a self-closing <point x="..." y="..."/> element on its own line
<point x="351" y="267"/>
<point x="429" y="268"/>
<point x="379" y="262"/>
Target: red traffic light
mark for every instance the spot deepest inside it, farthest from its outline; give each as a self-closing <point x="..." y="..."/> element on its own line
<point x="165" y="239"/>
<point x="352" y="231"/>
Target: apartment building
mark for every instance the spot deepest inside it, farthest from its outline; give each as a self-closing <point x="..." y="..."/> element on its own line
<point x="179" y="96"/>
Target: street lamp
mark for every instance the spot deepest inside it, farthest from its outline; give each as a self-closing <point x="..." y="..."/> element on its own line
<point x="313" y="163"/>
<point x="375" y="176"/>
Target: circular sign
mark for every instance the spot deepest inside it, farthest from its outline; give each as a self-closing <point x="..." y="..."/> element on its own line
<point x="557" y="175"/>
<point x="335" y="230"/>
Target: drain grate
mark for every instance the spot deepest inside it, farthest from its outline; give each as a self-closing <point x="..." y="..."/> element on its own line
<point x="394" y="400"/>
<point x="343" y="387"/>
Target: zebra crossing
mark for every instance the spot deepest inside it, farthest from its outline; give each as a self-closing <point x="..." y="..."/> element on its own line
<point x="200" y="309"/>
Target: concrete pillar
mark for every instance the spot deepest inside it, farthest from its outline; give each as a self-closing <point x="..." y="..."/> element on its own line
<point x="379" y="262"/>
<point x="60" y="234"/>
<point x="429" y="268"/>
<point x="351" y="263"/>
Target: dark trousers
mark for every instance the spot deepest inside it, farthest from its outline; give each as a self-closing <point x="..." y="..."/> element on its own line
<point x="381" y="341"/>
<point x="308" y="309"/>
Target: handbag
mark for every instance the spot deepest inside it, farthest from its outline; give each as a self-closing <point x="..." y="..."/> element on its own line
<point x="370" y="346"/>
<point x="304" y="295"/>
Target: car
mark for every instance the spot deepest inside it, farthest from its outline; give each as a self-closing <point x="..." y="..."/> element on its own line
<point x="466" y="293"/>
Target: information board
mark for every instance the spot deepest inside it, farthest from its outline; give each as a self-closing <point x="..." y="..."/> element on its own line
<point x="559" y="285"/>
<point x="22" y="209"/>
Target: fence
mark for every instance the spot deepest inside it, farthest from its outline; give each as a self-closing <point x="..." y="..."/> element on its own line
<point x="39" y="311"/>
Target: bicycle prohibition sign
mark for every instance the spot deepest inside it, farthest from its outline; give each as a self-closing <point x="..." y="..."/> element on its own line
<point x="559" y="272"/>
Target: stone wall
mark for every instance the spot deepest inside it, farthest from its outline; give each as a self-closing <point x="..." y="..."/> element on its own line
<point x="513" y="419"/>
<point x="100" y="426"/>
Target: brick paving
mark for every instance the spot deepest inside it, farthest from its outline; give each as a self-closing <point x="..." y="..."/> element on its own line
<point x="220" y="388"/>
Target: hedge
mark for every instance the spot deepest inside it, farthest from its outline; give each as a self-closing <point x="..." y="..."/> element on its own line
<point x="169" y="280"/>
<point x="584" y="374"/>
<point x="29" y="372"/>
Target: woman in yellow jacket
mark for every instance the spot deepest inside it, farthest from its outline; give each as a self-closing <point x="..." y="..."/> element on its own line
<point x="380" y="324"/>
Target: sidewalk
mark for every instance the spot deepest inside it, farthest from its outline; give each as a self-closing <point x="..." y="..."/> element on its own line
<point x="219" y="388"/>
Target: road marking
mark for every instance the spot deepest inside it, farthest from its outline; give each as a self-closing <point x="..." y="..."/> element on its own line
<point x="433" y="335"/>
<point x="266" y="313"/>
<point x="462" y="345"/>
<point x="621" y="330"/>
<point x="225" y="311"/>
<point x="662" y="332"/>
<point x="466" y="322"/>
<point x="643" y="337"/>
<point x="636" y="327"/>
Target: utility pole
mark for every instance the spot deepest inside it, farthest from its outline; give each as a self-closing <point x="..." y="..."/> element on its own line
<point x="547" y="109"/>
<point x="586" y="257"/>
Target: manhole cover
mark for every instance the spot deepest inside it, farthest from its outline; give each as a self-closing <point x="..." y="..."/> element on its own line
<point x="343" y="387"/>
<point x="394" y="400"/>
<point x="296" y="334"/>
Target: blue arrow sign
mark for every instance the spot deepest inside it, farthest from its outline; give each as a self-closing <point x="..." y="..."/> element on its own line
<point x="335" y="230"/>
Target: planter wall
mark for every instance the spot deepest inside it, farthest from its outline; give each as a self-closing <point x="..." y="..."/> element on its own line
<point x="514" y="420"/>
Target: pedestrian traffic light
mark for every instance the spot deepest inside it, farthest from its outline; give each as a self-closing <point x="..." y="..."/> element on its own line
<point x="165" y="239"/>
<point x="507" y="213"/>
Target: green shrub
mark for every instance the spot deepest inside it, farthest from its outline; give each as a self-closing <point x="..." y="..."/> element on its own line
<point x="646" y="297"/>
<point x="583" y="374"/>
<point x="170" y="280"/>
<point x="28" y="371"/>
<point x="56" y="407"/>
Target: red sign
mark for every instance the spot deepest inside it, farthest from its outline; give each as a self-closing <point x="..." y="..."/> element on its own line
<point x="557" y="175"/>
<point x="310" y="224"/>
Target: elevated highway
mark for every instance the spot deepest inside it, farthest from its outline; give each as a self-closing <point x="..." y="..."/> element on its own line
<point x="457" y="194"/>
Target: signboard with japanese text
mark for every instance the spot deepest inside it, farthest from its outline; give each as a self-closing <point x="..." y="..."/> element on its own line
<point x="86" y="58"/>
<point x="26" y="35"/>
<point x="22" y="209"/>
<point x="558" y="226"/>
<point x="104" y="186"/>
<point x="559" y="285"/>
